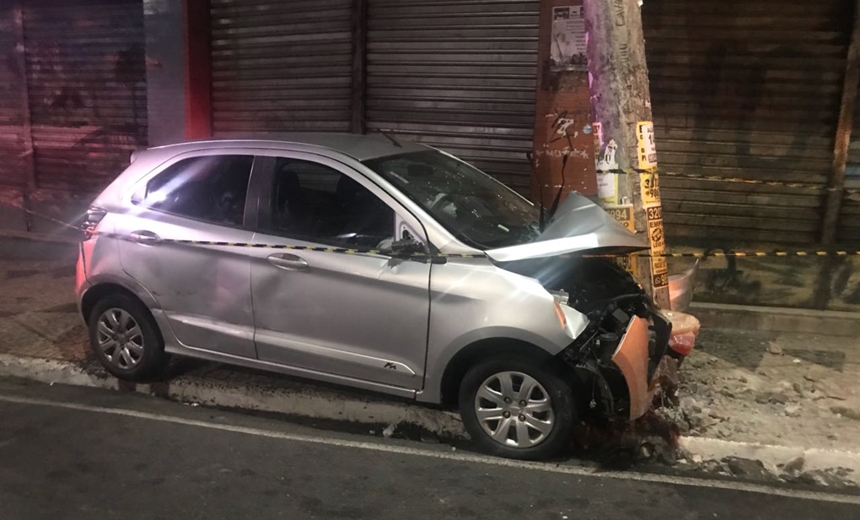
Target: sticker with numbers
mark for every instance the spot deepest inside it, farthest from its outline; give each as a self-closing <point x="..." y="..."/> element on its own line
<point x="650" y="185"/>
<point x="657" y="240"/>
<point x="646" y="146"/>
<point x="623" y="214"/>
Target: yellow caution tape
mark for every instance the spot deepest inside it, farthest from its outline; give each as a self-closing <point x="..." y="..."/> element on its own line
<point x="737" y="180"/>
<point x="420" y="255"/>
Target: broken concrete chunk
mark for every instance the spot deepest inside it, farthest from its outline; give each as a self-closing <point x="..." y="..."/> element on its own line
<point x="774" y="349"/>
<point x="792" y="410"/>
<point x="749" y="468"/>
<point x="795" y="465"/>
<point x="688" y="404"/>
<point x="771" y="397"/>
<point x="844" y="411"/>
<point x="778" y="397"/>
<point x="831" y="390"/>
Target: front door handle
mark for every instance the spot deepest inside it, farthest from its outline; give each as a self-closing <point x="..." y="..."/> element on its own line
<point x="144" y="237"/>
<point x="288" y="262"/>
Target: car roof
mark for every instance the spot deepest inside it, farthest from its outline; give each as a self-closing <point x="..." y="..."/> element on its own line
<point x="360" y="147"/>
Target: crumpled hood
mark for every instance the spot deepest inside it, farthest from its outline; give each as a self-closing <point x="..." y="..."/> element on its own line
<point x="579" y="225"/>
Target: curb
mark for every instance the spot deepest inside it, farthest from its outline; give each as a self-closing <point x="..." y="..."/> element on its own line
<point x="776" y="319"/>
<point x="308" y="402"/>
<point x="320" y="403"/>
<point x="773" y="457"/>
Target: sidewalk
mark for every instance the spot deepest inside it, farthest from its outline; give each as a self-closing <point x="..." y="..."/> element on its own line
<point x="739" y="389"/>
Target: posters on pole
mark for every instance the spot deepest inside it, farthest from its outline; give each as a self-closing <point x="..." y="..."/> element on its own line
<point x="567" y="49"/>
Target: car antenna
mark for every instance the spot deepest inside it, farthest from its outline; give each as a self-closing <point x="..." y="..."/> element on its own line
<point x="560" y="188"/>
<point x="530" y="156"/>
<point x="393" y="141"/>
<point x="383" y="132"/>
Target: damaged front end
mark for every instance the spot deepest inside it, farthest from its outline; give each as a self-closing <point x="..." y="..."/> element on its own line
<point x="624" y="352"/>
<point x="625" y="349"/>
<point x="629" y="349"/>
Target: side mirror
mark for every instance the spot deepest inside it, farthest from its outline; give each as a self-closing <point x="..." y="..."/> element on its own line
<point x="404" y="248"/>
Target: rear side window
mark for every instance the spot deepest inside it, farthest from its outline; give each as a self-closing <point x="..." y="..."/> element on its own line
<point x="212" y="188"/>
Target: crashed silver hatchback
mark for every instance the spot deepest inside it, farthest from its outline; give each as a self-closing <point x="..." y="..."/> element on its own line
<point x="377" y="264"/>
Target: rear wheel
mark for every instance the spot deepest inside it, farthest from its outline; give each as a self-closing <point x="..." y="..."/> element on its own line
<point x="513" y="407"/>
<point x="125" y="338"/>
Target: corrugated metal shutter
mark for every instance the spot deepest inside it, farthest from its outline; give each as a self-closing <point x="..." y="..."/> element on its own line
<point x="849" y="217"/>
<point x="281" y="66"/>
<point x="12" y="169"/>
<point x="751" y="90"/>
<point x="87" y="89"/>
<point x="459" y="75"/>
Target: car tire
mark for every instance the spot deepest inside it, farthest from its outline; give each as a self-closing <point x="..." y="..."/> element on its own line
<point x="126" y="339"/>
<point x="540" y="444"/>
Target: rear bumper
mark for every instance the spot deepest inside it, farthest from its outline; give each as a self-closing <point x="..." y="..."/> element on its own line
<point x="81" y="282"/>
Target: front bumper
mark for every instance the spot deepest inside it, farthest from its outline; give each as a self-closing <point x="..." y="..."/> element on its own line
<point x="626" y="352"/>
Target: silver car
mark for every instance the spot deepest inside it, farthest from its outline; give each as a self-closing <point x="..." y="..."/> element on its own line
<point x="377" y="264"/>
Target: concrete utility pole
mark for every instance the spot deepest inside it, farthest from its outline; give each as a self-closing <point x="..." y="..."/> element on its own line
<point x="621" y="102"/>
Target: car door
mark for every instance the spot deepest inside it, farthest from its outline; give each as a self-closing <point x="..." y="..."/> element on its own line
<point x="359" y="316"/>
<point x="204" y="290"/>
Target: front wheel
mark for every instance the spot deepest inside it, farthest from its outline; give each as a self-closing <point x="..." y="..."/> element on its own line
<point x="515" y="408"/>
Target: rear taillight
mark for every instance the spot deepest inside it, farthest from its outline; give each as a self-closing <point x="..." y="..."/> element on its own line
<point x="94" y="216"/>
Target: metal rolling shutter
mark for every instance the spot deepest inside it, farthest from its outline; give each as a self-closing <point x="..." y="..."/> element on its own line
<point x="459" y="75"/>
<point x="849" y="217"/>
<point x="87" y="89"/>
<point x="751" y="90"/>
<point x="281" y="66"/>
<point x="12" y="169"/>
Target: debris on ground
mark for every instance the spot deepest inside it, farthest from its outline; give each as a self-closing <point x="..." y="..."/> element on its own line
<point x="744" y="386"/>
<point x="748" y="468"/>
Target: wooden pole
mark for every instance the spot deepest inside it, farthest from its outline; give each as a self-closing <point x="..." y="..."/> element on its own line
<point x="843" y="135"/>
<point x="621" y="101"/>
<point x="836" y="186"/>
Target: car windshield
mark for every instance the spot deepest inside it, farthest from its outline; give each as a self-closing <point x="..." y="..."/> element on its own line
<point x="476" y="208"/>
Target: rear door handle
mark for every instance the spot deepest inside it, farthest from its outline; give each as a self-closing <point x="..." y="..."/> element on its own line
<point x="144" y="237"/>
<point x="288" y="262"/>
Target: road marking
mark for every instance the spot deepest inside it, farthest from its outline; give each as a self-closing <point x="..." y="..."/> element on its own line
<point x="455" y="457"/>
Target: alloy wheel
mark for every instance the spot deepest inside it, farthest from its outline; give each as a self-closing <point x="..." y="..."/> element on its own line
<point x="120" y="338"/>
<point x="514" y="409"/>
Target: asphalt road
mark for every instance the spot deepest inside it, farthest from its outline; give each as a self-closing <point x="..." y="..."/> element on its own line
<point x="76" y="453"/>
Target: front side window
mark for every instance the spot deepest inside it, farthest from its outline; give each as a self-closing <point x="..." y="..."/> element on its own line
<point x="472" y="205"/>
<point x="313" y="202"/>
<point x="211" y="188"/>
